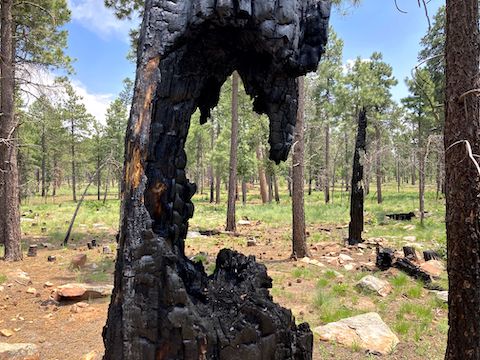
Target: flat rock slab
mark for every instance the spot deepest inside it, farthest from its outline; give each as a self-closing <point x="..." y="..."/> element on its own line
<point x="373" y="284"/>
<point x="76" y="291"/>
<point x="367" y="331"/>
<point x="441" y="295"/>
<point x="433" y="267"/>
<point x="21" y="351"/>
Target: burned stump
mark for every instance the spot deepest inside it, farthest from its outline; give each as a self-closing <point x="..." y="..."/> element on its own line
<point x="401" y="216"/>
<point x="163" y="305"/>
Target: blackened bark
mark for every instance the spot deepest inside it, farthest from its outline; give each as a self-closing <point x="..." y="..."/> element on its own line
<point x="232" y="180"/>
<point x="378" y="163"/>
<point x="9" y="192"/>
<point x="355" y="227"/>
<point x="163" y="305"/>
<point x="462" y="123"/>
<point x="299" y="241"/>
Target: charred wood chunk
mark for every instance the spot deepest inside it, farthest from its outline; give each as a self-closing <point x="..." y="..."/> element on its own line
<point x="401" y="216"/>
<point x="413" y="270"/>
<point x="385" y="258"/>
<point x="431" y="255"/>
<point x="410" y="253"/>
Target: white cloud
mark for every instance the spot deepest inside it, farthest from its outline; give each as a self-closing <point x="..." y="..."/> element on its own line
<point x="39" y="81"/>
<point x="93" y="15"/>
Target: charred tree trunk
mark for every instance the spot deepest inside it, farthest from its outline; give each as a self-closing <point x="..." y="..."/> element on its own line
<point x="378" y="163"/>
<point x="232" y="180"/>
<point x="163" y="305"/>
<point x="299" y="241"/>
<point x="355" y="227"/>
<point x="9" y="192"/>
<point x="462" y="126"/>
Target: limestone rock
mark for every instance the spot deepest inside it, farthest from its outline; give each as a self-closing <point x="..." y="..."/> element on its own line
<point x="243" y="222"/>
<point x="31" y="290"/>
<point x="367" y="331"/>
<point x="374" y="284"/>
<point x="79" y="260"/>
<point x="441" y="295"/>
<point x="345" y="257"/>
<point x="21" y="351"/>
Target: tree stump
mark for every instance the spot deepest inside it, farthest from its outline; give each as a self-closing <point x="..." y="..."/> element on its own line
<point x="431" y="255"/>
<point x="163" y="305"/>
<point x="410" y="253"/>
<point x="32" y="251"/>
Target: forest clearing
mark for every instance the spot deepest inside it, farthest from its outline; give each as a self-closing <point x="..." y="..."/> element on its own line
<point x="315" y="294"/>
<point x="239" y="179"/>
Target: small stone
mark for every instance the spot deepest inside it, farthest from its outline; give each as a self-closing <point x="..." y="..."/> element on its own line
<point x="92" y="355"/>
<point x="1" y="288"/>
<point x="82" y="304"/>
<point x="31" y="290"/>
<point x="441" y="295"/>
<point x="21" y="351"/>
<point x="48" y="284"/>
<point x="251" y="242"/>
<point x="79" y="260"/>
<point x="243" y="222"/>
<point x="410" y="238"/>
<point x="299" y="281"/>
<point x="374" y="284"/>
<point x="106" y="250"/>
<point x="6" y="332"/>
<point x="345" y="257"/>
<point x="51" y="258"/>
<point x="348" y="267"/>
<point x="306" y="260"/>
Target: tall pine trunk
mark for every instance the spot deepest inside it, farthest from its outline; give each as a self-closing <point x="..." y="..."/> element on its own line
<point x="232" y="180"/>
<point x="421" y="182"/>
<point x="218" y="184"/>
<point x="74" y="167"/>
<point x="275" y="188"/>
<point x="298" y="211"/>
<point x="99" y="177"/>
<point x="355" y="226"/>
<point x="326" y="189"/>
<point x="44" y="160"/>
<point x="9" y="191"/>
<point x="378" y="163"/>
<point x="261" y="175"/>
<point x="462" y="125"/>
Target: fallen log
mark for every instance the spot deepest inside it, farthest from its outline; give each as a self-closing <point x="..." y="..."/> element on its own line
<point x="401" y="216"/>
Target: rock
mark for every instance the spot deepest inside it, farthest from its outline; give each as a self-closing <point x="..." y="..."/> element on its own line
<point x="374" y="284"/>
<point x="20" y="277"/>
<point x="251" y="242"/>
<point x="410" y="238"/>
<point x="1" y="288"/>
<point x="21" y="351"/>
<point x="83" y="304"/>
<point x="441" y="295"/>
<point x="367" y="331"/>
<point x="31" y="290"/>
<point x="345" y="257"/>
<point x="107" y="250"/>
<point x="306" y="260"/>
<point x="82" y="291"/>
<point x="6" y="332"/>
<point x="79" y="260"/>
<point x="48" y="284"/>
<point x="433" y="267"/>
<point x="316" y="263"/>
<point x="409" y="227"/>
<point x="243" y="222"/>
<point x="51" y="258"/>
<point x="194" y="234"/>
<point x="349" y="267"/>
<point x="46" y="245"/>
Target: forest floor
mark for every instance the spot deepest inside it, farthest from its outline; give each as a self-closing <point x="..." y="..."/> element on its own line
<point x="315" y="294"/>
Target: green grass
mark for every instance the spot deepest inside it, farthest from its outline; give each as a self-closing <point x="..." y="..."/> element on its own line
<point x="3" y="278"/>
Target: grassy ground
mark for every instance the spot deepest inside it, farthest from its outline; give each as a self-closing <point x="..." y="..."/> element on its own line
<point x="316" y="295"/>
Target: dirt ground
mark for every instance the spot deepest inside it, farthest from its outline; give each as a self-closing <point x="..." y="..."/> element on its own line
<point x="66" y="331"/>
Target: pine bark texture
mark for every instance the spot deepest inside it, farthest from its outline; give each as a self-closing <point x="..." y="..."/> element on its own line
<point x="261" y="175"/>
<point x="232" y="179"/>
<point x="355" y="226"/>
<point x="298" y="208"/>
<point x="164" y="306"/>
<point x="9" y="189"/>
<point x="462" y="123"/>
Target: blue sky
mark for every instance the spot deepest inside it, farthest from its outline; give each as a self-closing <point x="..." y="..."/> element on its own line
<point x="100" y="42"/>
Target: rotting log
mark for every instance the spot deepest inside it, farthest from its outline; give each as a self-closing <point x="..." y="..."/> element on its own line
<point x="163" y="305"/>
